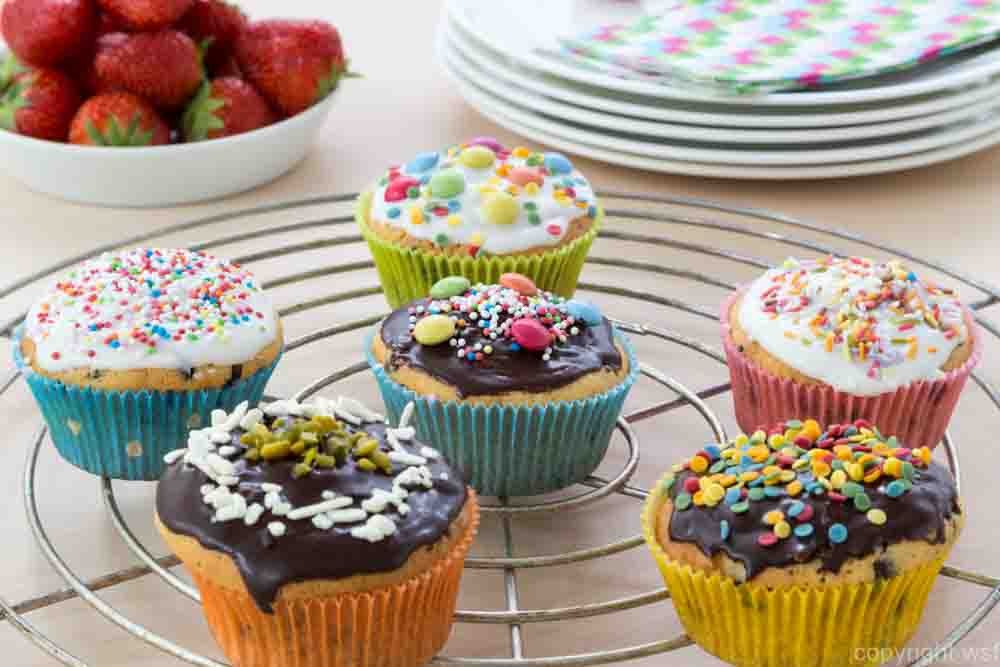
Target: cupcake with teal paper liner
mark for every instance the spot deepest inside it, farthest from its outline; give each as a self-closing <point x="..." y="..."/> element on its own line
<point x="130" y="350"/>
<point x="803" y="545"/>
<point x="479" y="210"/>
<point x="849" y="338"/>
<point x="518" y="387"/>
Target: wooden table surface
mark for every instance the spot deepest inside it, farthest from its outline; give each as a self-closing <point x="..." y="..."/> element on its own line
<point x="404" y="104"/>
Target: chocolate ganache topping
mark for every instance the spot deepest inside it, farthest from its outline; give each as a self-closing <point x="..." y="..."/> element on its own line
<point x="799" y="493"/>
<point x="322" y="490"/>
<point x="491" y="339"/>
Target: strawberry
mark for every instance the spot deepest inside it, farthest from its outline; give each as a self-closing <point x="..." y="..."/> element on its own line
<point x="163" y="67"/>
<point x="294" y="64"/>
<point x="145" y="15"/>
<point x="214" y="25"/>
<point x="39" y="103"/>
<point x="118" y="119"/>
<point x="230" y="68"/>
<point x="84" y="70"/>
<point x="48" y="32"/>
<point x="224" y="107"/>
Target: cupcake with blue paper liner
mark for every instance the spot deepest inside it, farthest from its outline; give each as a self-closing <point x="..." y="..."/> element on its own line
<point x="803" y="545"/>
<point x="129" y="351"/>
<point x="849" y="338"/>
<point x="518" y="387"/>
<point x="479" y="210"/>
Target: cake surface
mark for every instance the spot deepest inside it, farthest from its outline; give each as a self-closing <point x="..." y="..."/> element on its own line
<point x="859" y="326"/>
<point x="152" y="318"/>
<point x="497" y="341"/>
<point x="480" y="198"/>
<point x="799" y="505"/>
<point x="321" y="496"/>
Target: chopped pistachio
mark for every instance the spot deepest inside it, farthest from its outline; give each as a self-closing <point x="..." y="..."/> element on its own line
<point x="367" y="465"/>
<point x="273" y="451"/>
<point x="298" y="447"/>
<point x="366" y="448"/>
<point x="301" y="470"/>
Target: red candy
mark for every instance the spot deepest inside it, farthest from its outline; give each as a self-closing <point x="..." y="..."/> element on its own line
<point x="805" y="514"/>
<point x="398" y="188"/>
<point x="691" y="485"/>
<point x="523" y="175"/>
<point x="767" y="540"/>
<point x="530" y="334"/>
<point x="521" y="284"/>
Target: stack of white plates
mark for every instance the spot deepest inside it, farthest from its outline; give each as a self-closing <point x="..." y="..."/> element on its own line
<point x="928" y="115"/>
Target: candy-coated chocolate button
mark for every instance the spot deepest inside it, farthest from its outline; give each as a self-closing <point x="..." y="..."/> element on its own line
<point x="584" y="311"/>
<point x="519" y="283"/>
<point x="488" y="142"/>
<point x="558" y="164"/>
<point x="434" y="329"/>
<point x="477" y="157"/>
<point x="530" y="334"/>
<point x="523" y="175"/>
<point x="422" y="162"/>
<point x="449" y="287"/>
<point x="499" y="208"/>
<point x="398" y="189"/>
<point x="447" y="184"/>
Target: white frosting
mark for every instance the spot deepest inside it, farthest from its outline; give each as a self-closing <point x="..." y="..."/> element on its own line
<point x="466" y="224"/>
<point x="885" y="304"/>
<point x="172" y="309"/>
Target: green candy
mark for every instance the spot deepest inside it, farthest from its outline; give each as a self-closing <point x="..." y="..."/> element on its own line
<point x="756" y="493"/>
<point x="500" y="209"/>
<point x="682" y="501"/>
<point x="447" y="184"/>
<point x="434" y="330"/>
<point x="449" y="287"/>
<point x="477" y="157"/>
<point x="862" y="502"/>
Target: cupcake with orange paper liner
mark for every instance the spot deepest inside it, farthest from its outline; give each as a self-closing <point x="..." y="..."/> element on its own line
<point x="479" y="210"/>
<point x="318" y="536"/>
<point x="849" y="338"/>
<point x="803" y="545"/>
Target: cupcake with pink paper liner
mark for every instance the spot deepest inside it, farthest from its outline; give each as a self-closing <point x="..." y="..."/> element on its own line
<point x="842" y="339"/>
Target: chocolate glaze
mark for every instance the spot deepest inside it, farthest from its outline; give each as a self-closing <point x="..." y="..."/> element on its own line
<point x="306" y="553"/>
<point x="593" y="349"/>
<point x="919" y="514"/>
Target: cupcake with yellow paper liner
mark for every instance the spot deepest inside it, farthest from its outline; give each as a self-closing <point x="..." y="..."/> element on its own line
<point x="520" y="388"/>
<point x="803" y="546"/>
<point x="849" y="338"/>
<point x="479" y="210"/>
<point x="318" y="536"/>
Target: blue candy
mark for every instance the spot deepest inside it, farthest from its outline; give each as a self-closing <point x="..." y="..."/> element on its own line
<point x="837" y="533"/>
<point x="733" y="495"/>
<point x="558" y="164"/>
<point x="584" y="311"/>
<point x="422" y="162"/>
<point x="724" y="530"/>
<point x="804" y="530"/>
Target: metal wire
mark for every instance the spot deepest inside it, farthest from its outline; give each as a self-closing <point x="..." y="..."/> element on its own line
<point x="513" y="616"/>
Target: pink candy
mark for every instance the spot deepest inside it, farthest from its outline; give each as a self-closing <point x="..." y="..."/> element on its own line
<point x="397" y="190"/>
<point x="519" y="283"/>
<point x="521" y="176"/>
<point x="488" y="142"/>
<point x="530" y="335"/>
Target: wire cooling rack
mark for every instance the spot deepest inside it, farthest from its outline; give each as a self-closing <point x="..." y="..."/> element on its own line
<point x="626" y="271"/>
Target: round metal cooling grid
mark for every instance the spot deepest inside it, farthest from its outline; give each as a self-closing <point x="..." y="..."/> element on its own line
<point x="513" y="617"/>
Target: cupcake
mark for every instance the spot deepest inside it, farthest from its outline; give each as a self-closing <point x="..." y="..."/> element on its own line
<point x="803" y="546"/>
<point x="479" y="210"/>
<point x="317" y="536"/>
<point x="518" y="387"/>
<point x="846" y="339"/>
<point x="132" y="349"/>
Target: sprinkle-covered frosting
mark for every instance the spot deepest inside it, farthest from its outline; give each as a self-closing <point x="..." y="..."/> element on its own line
<point x="172" y="309"/>
<point x="297" y="492"/>
<point x="488" y="339"/>
<point x="860" y="326"/>
<point x="485" y="197"/>
<point x="800" y="492"/>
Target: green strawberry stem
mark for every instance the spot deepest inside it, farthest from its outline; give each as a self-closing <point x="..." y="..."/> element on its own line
<point x="116" y="136"/>
<point x="200" y="117"/>
<point x="9" y="68"/>
<point x="13" y="101"/>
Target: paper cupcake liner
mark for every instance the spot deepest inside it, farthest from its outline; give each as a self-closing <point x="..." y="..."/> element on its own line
<point x="407" y="273"/>
<point x="517" y="450"/>
<point x="917" y="413"/>
<point x="126" y="434"/>
<point x="793" y="626"/>
<point x="403" y="625"/>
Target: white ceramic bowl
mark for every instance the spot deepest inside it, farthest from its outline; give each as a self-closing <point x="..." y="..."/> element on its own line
<point x="162" y="175"/>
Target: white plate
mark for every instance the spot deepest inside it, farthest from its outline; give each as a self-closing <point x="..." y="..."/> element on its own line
<point x="515" y="28"/>
<point x="511" y="92"/>
<point x="714" y="115"/>
<point x="757" y="155"/>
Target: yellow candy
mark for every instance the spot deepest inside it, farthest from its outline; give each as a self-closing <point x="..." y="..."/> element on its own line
<point x="434" y="329"/>
<point x="838" y="478"/>
<point x="503" y="170"/>
<point x="531" y="189"/>
<point x="699" y="464"/>
<point x="715" y="493"/>
<point x="893" y="467"/>
<point x="699" y="498"/>
<point x="416" y="216"/>
<point x="749" y="476"/>
<point x="811" y="430"/>
<point x="820" y="468"/>
<point x="873" y="475"/>
<point x="500" y="209"/>
<point x="476" y="239"/>
<point x="782" y="529"/>
<point x="477" y="157"/>
<point x="777" y="441"/>
<point x="454" y="220"/>
<point x="513" y="190"/>
<point x="876" y="516"/>
<point x="521" y="152"/>
<point x="856" y="471"/>
<point x="727" y="480"/>
<point x="741" y="440"/>
<point x="843" y="452"/>
<point x="794" y="488"/>
<point x="758" y="453"/>
<point x="787" y="475"/>
<point x="774" y="517"/>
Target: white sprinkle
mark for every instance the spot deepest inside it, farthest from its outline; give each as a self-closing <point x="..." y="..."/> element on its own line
<point x="228" y="480"/>
<point x="394" y="442"/>
<point x="220" y="465"/>
<point x="219" y="436"/>
<point x="281" y="509"/>
<point x="267" y="487"/>
<point x="404" y="419"/>
<point x="430" y="453"/>
<point x="319" y="508"/>
<point x="218" y="418"/>
<point x="358" y="408"/>
<point x="254" y="512"/>
<point x="174" y="456"/>
<point x="236" y="417"/>
<point x="352" y="515"/>
<point x="329" y="495"/>
<point x="252" y="418"/>
<point x="380" y="499"/>
<point x="207" y="489"/>
<point x="322" y="522"/>
<point x="406" y="458"/>
<point x="227" y="451"/>
<point x="282" y="408"/>
<point x="444" y="476"/>
<point x="276" y="528"/>
<point x="272" y="499"/>
<point x="377" y="528"/>
<point x="405" y="433"/>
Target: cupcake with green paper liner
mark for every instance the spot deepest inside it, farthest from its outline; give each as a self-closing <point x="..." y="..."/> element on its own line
<point x="479" y="210"/>
<point x="518" y="387"/>
<point x="803" y="545"/>
<point x="129" y="351"/>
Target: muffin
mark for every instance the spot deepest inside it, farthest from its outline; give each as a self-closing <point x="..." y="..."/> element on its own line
<point x="132" y="349"/>
<point x="803" y="546"/>
<point x="846" y="339"/>
<point x="479" y="210"/>
<point x="518" y="387"/>
<point x="318" y="536"/>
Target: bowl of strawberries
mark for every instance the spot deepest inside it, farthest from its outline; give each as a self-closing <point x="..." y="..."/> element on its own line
<point x="142" y="103"/>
